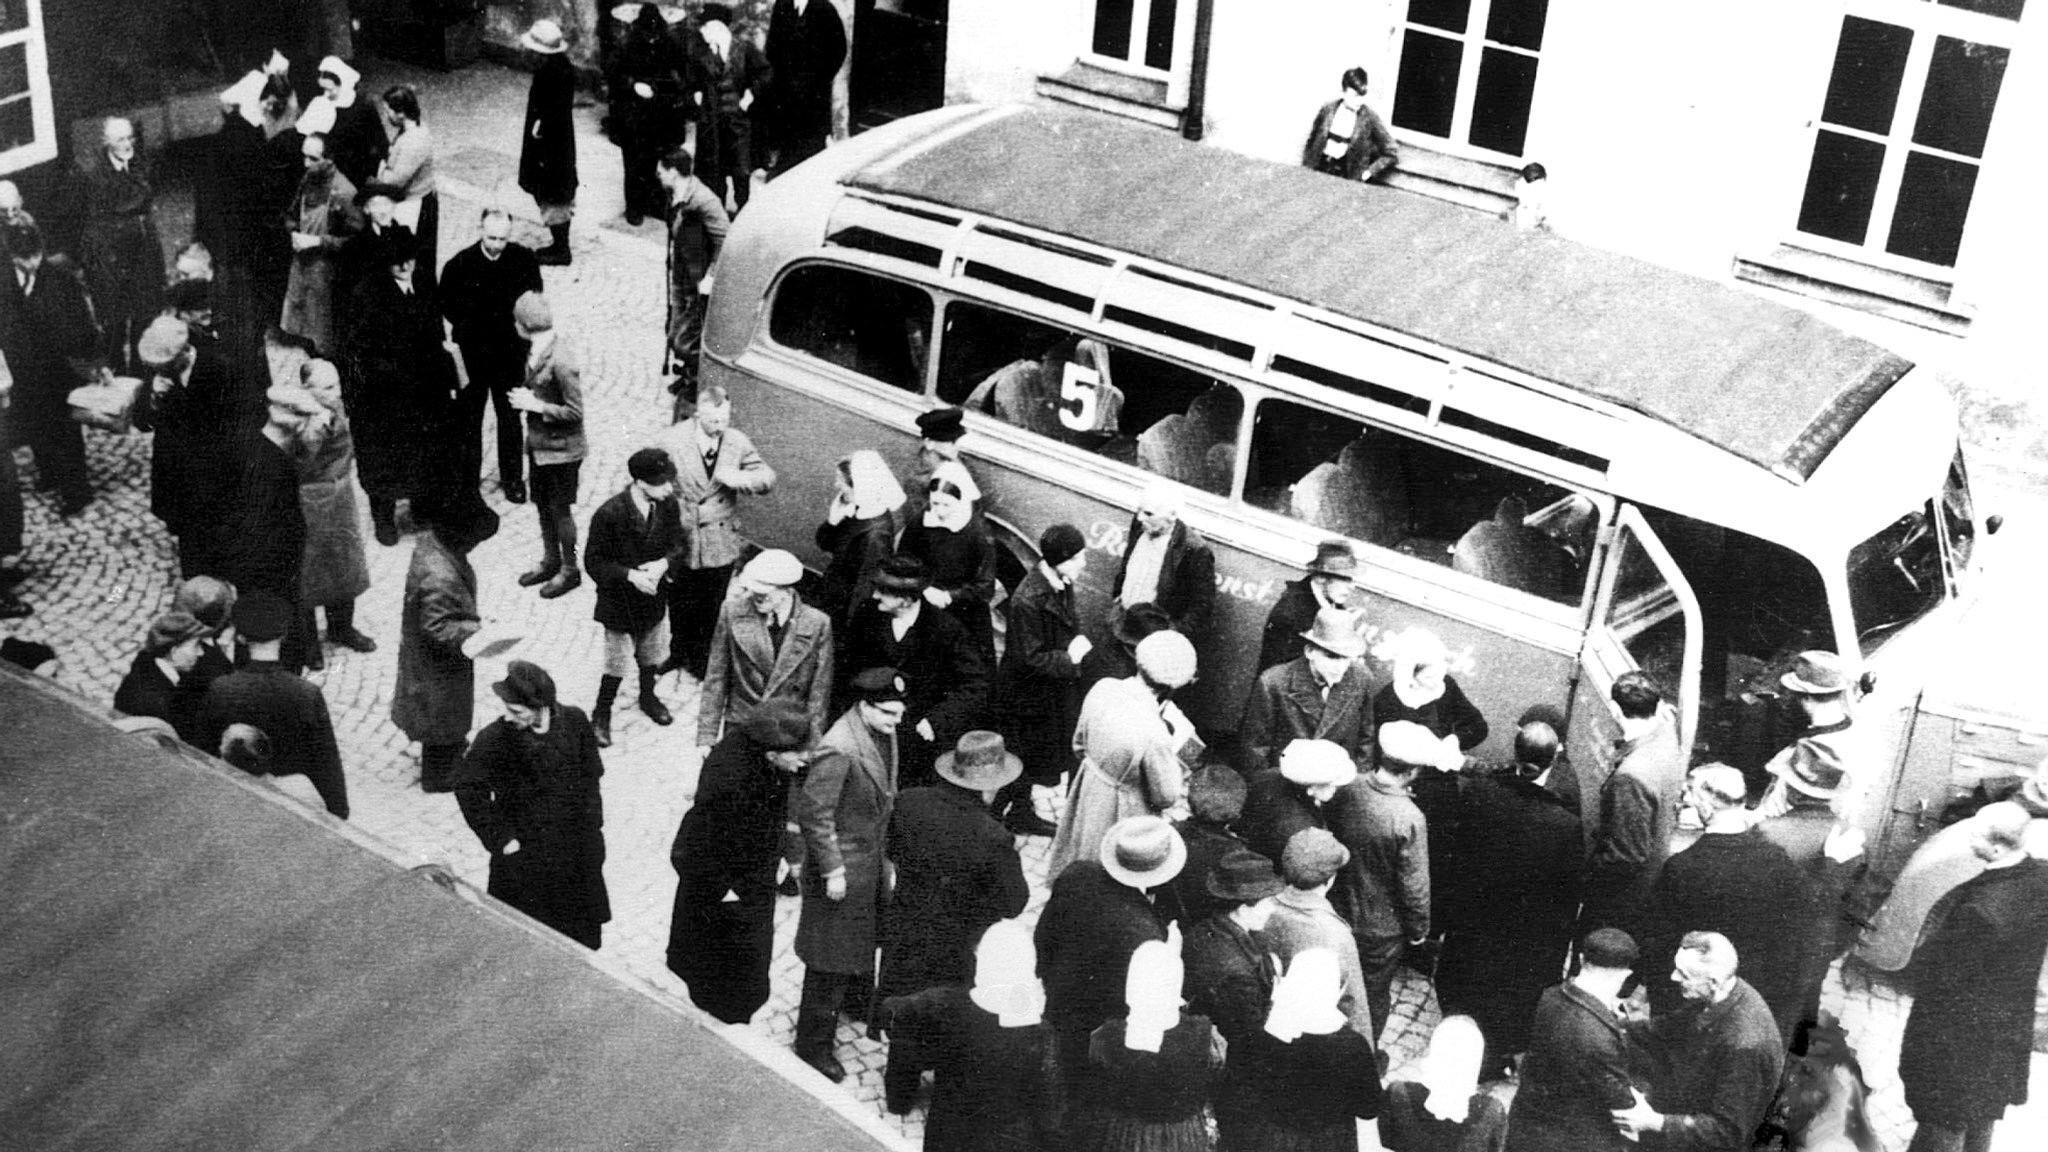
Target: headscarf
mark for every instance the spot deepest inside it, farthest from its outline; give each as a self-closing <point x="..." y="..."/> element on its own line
<point x="875" y="490"/>
<point x="1006" y="975"/>
<point x="1152" y="991"/>
<point x="321" y="111"/>
<point x="1305" y="997"/>
<point x="953" y="473"/>
<point x="1415" y="649"/>
<point x="1450" y="1069"/>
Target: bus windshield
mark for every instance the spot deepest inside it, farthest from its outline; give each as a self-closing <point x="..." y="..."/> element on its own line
<point x="1907" y="569"/>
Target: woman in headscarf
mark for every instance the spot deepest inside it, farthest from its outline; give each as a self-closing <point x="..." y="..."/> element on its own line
<point x="1151" y="1072"/>
<point x="1425" y="719"/>
<point x="959" y="558"/>
<point x="858" y="533"/>
<point x="1423" y="691"/>
<point x="990" y="1046"/>
<point x="355" y="133"/>
<point x="1129" y="739"/>
<point x="1302" y="1083"/>
<point x="1445" y="1109"/>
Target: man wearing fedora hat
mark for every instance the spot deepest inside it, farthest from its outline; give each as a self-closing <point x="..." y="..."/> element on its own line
<point x="528" y="788"/>
<point x="1229" y="977"/>
<point x="843" y="808"/>
<point x="1294" y="795"/>
<point x="1331" y="582"/>
<point x="1322" y="694"/>
<point x="957" y="873"/>
<point x="1819" y="685"/>
<point x="722" y="933"/>
<point x="947" y="674"/>
<point x="398" y="380"/>
<point x="292" y="712"/>
<point x="768" y="644"/>
<point x="1101" y="908"/>
<point x="547" y="144"/>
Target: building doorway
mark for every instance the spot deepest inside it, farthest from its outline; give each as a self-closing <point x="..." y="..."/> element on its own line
<point x="899" y="60"/>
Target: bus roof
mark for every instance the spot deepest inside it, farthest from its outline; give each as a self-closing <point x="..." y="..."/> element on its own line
<point x="1770" y="384"/>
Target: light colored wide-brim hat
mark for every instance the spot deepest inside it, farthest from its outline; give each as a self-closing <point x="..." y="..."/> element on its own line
<point x="1336" y="630"/>
<point x="979" y="762"/>
<point x="1816" y="673"/>
<point x="1143" y="852"/>
<point x="545" y="37"/>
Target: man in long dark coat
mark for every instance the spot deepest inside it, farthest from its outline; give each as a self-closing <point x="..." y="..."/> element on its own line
<point x="124" y="257"/>
<point x="547" y="152"/>
<point x="806" y="46"/>
<point x="1638" y="806"/>
<point x="46" y="324"/>
<point x="722" y="933"/>
<point x="1524" y="858"/>
<point x="400" y="382"/>
<point x="1331" y="582"/>
<point x="948" y="677"/>
<point x="267" y="696"/>
<point x="644" y="85"/>
<point x="957" y="872"/>
<point x="1965" y="1056"/>
<point x="256" y="528"/>
<point x="191" y="408"/>
<point x="728" y="76"/>
<point x="435" y="697"/>
<point x="843" y="808"/>
<point x="1040" y="675"/>
<point x="478" y="287"/>
<point x="1577" y="1070"/>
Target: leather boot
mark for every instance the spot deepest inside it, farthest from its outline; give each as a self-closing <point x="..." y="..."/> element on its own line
<point x="650" y="704"/>
<point x="556" y="254"/>
<point x="570" y="576"/>
<point x="601" y="716"/>
<point x="817" y="1024"/>
<point x="551" y="554"/>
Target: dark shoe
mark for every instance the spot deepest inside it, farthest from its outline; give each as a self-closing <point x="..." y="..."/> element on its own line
<point x="899" y="1104"/>
<point x="387" y="535"/>
<point x="652" y="708"/>
<point x="515" y="492"/>
<point x="13" y="607"/>
<point x="551" y="257"/>
<point x="826" y="1063"/>
<point x="564" y="580"/>
<point x="788" y="886"/>
<point x="540" y="573"/>
<point x="1024" y="822"/>
<point x="9" y="577"/>
<point x="72" y="505"/>
<point x="352" y="640"/>
<point x="601" y="727"/>
<point x="434" y="783"/>
<point x="316" y="660"/>
<point x="634" y="217"/>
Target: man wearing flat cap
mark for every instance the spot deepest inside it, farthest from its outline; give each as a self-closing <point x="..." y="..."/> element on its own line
<point x="957" y="872"/>
<point x="1324" y="693"/>
<point x="264" y="694"/>
<point x="768" y="644"/>
<point x="528" y="788"/>
<point x="843" y="807"/>
<point x="1331" y="582"/>
<point x="1303" y="918"/>
<point x="722" y="933"/>
<point x="1100" y="910"/>
<point x="948" y="676"/>
<point x="636" y="538"/>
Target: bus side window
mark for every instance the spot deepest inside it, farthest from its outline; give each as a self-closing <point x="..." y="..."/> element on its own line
<point x="878" y="327"/>
<point x="1327" y="471"/>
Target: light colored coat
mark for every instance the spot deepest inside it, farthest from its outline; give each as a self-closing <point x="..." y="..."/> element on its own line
<point x="1128" y="768"/>
<point x="746" y="668"/>
<point x="713" y="497"/>
<point x="325" y="208"/>
<point x="843" y="808"/>
<point x="554" y="435"/>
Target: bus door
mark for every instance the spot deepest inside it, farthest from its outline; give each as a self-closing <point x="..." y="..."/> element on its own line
<point x="1645" y="618"/>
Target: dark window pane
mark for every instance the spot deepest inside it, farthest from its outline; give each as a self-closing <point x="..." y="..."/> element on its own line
<point x="1113" y="28"/>
<point x="1500" y="107"/>
<point x="13" y="15"/>
<point x="1962" y="89"/>
<point x="1869" y="62"/>
<point x="876" y="327"/>
<point x="1159" y="36"/>
<point x="1840" y="187"/>
<point x="17" y="123"/>
<point x="13" y="70"/>
<point x="1426" y="94"/>
<point x="1934" y="199"/>
<point x="2006" y="9"/>
<point x="1449" y="15"/>
<point x="1517" y="22"/>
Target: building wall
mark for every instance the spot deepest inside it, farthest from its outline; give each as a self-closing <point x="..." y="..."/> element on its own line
<point x="1677" y="133"/>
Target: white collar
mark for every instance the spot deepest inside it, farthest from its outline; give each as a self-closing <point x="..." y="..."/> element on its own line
<point x="170" y="670"/>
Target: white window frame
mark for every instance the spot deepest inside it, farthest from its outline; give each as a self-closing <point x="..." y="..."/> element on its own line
<point x="1928" y="22"/>
<point x="43" y="147"/>
<point x="1475" y="43"/>
<point x="1132" y="62"/>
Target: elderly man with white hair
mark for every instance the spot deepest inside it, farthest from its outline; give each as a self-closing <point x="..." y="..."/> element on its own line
<point x="118" y="241"/>
<point x="1167" y="563"/>
<point x="1714" y="1064"/>
<point x="767" y="645"/>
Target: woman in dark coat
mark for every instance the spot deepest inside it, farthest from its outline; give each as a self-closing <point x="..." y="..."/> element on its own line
<point x="1039" y="679"/>
<point x="1423" y="692"/>
<point x="434" y="700"/>
<point x="959" y="558"/>
<point x="1301" y="1084"/>
<point x="547" y="153"/>
<point x="858" y="534"/>
<point x="529" y="790"/>
<point x="1150" y="1073"/>
<point x="644" y="83"/>
<point x="991" y="1048"/>
<point x="728" y="845"/>
<point x="160" y="682"/>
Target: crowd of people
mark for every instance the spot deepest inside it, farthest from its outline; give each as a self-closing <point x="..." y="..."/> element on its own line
<point x="1215" y="962"/>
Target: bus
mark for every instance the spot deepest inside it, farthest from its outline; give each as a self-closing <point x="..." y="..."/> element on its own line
<point x="1701" y="482"/>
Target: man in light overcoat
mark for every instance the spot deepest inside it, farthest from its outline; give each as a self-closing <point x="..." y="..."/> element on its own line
<point x="768" y="644"/>
<point x="715" y="464"/>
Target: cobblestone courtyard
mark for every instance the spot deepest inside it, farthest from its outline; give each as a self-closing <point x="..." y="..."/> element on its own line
<point x="101" y="576"/>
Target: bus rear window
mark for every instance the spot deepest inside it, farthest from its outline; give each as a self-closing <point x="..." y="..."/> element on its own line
<point x="869" y="324"/>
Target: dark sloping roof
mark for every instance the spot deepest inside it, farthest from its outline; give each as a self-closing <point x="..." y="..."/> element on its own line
<point x="1769" y="383"/>
<point x="186" y="964"/>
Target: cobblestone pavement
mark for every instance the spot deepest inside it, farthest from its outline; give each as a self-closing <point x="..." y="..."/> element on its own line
<point x="103" y="575"/>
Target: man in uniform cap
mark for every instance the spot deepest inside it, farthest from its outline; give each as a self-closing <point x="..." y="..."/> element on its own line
<point x="1324" y="693"/>
<point x="957" y="873"/>
<point x="1331" y="582"/>
<point x="292" y="712"/>
<point x="768" y="644"/>
<point x="636" y="538"/>
<point x="939" y="432"/>
<point x="843" y="807"/>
